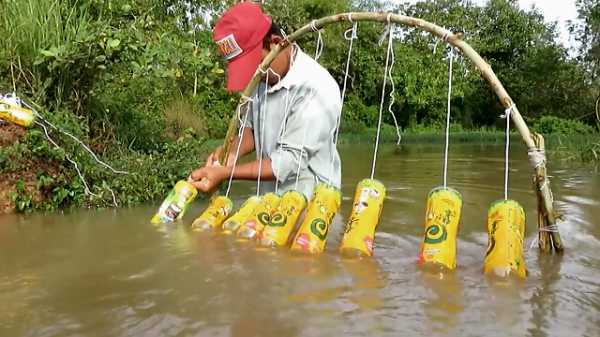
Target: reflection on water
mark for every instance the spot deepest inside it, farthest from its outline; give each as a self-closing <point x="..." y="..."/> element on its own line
<point x="111" y="273"/>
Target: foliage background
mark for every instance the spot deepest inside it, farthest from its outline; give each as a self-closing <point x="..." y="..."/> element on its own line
<point x="142" y="83"/>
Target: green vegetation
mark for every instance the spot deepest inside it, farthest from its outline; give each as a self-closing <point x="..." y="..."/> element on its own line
<point x="141" y="82"/>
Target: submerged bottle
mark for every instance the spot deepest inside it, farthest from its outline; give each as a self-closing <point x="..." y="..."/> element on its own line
<point x="506" y="229"/>
<point x="232" y="224"/>
<point x="283" y="220"/>
<point x="176" y="203"/>
<point x="366" y="212"/>
<point x="11" y="111"/>
<point x="312" y="235"/>
<point x="217" y="211"/>
<point x="260" y="217"/>
<point x="442" y="219"/>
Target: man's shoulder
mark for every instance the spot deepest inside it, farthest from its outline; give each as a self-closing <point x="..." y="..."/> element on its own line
<point x="314" y="75"/>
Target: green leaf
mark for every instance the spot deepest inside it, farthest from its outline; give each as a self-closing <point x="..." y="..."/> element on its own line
<point x="49" y="53"/>
<point x="113" y="43"/>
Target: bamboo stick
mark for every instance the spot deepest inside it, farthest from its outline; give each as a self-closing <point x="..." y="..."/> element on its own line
<point x="454" y="40"/>
<point x="548" y="236"/>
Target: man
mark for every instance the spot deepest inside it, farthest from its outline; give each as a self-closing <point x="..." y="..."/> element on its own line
<point x="295" y="143"/>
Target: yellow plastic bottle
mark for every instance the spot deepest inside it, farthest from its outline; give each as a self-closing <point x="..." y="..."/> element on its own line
<point x="283" y="220"/>
<point x="232" y="224"/>
<point x="176" y="203"/>
<point x="12" y="112"/>
<point x="442" y="218"/>
<point x="260" y="217"/>
<point x="312" y="235"/>
<point x="506" y="229"/>
<point x="217" y="211"/>
<point x="366" y="212"/>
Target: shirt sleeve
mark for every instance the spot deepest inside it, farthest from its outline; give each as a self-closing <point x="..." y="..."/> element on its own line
<point x="309" y="126"/>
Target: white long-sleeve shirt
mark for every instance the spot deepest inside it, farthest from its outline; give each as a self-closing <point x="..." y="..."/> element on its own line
<point x="294" y="125"/>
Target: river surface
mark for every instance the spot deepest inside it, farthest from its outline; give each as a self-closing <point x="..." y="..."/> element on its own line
<point x="111" y="273"/>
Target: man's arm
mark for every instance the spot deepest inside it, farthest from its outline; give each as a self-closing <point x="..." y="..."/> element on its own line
<point x="208" y="178"/>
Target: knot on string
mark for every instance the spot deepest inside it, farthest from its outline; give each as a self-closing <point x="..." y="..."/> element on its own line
<point x="537" y="157"/>
<point x="313" y="26"/>
<point x="12" y="98"/>
<point x="246" y="99"/>
<point x="320" y="45"/>
<point x="446" y="35"/>
<point x="444" y="38"/>
<point x="386" y="31"/>
<point x="544" y="229"/>
<point x="352" y="33"/>
<point x="508" y="111"/>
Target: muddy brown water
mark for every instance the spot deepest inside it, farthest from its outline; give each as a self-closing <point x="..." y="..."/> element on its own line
<point x="111" y="273"/>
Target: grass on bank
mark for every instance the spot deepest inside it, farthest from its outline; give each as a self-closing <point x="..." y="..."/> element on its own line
<point x="565" y="145"/>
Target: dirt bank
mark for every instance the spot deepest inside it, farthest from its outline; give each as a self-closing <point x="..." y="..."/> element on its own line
<point x="27" y="173"/>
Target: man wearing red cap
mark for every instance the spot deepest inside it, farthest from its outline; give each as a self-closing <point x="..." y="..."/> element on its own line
<point x="292" y="116"/>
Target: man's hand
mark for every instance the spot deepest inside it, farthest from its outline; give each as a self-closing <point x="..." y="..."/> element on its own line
<point x="208" y="178"/>
<point x="213" y="158"/>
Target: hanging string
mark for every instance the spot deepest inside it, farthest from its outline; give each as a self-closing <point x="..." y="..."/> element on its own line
<point x="263" y="114"/>
<point x="302" y="150"/>
<point x="86" y="187"/>
<point x="393" y="95"/>
<point x="506" y="115"/>
<point x="286" y="109"/>
<point x="239" y="145"/>
<point x="350" y="35"/>
<point x="387" y="61"/>
<point x="448" y="117"/>
<point x="320" y="44"/>
<point x="18" y="101"/>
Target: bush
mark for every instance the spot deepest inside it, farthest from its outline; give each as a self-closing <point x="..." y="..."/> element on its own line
<point x="555" y="125"/>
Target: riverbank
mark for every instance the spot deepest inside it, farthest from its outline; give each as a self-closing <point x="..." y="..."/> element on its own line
<point x="35" y="176"/>
<point x="575" y="148"/>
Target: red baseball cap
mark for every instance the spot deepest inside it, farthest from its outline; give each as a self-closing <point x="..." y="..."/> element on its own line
<point x="239" y="33"/>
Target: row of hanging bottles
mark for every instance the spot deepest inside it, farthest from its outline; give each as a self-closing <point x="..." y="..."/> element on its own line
<point x="270" y="219"/>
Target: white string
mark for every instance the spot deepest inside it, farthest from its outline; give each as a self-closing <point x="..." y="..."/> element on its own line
<point x="239" y="145"/>
<point x="14" y="98"/>
<point x="283" y="128"/>
<point x="86" y="187"/>
<point x="393" y="96"/>
<point x="261" y="146"/>
<point x="286" y="110"/>
<point x="302" y="150"/>
<point x="450" y="65"/>
<point x="387" y="60"/>
<point x="350" y="35"/>
<point x="506" y="115"/>
<point x="320" y="45"/>
<point x="94" y="156"/>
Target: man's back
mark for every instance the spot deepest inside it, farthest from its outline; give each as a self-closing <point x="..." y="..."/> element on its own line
<point x="299" y="112"/>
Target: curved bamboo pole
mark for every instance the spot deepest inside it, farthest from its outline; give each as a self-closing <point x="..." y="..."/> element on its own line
<point x="549" y="236"/>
